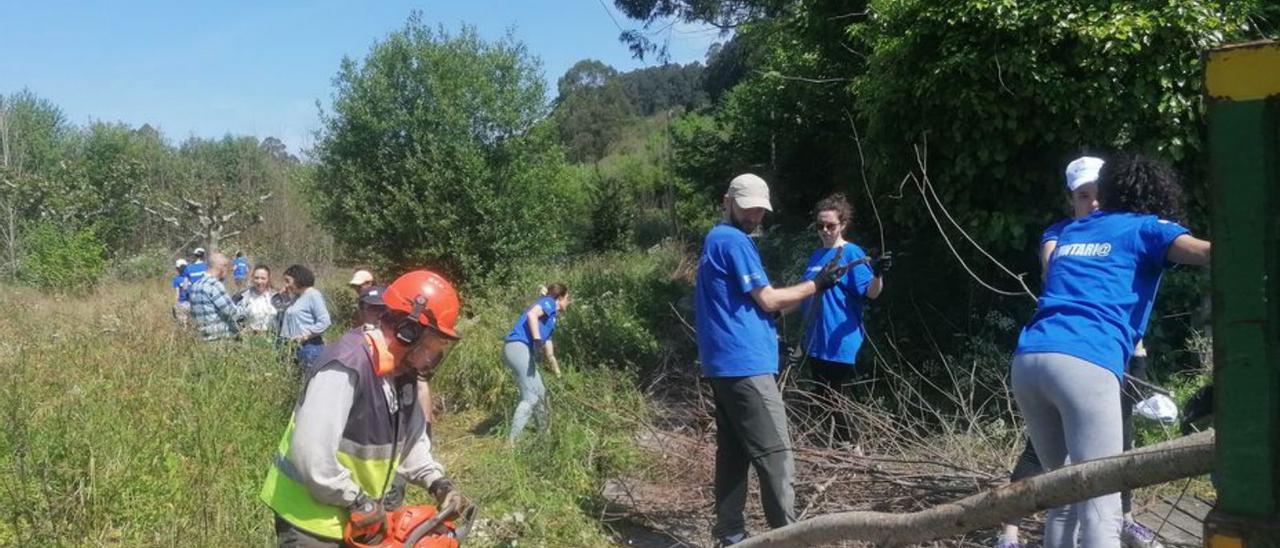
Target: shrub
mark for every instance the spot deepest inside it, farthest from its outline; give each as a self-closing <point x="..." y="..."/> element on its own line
<point x="61" y="261"/>
<point x="149" y="264"/>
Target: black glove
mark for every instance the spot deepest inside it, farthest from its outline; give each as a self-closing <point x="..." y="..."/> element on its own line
<point x="882" y="263"/>
<point x="538" y="345"/>
<point x="239" y="296"/>
<point x="365" y="513"/>
<point x="831" y="272"/>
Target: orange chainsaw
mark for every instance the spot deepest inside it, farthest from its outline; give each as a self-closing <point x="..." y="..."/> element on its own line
<point x="414" y="527"/>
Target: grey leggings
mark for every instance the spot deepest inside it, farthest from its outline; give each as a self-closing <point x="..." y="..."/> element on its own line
<point x="1072" y="410"/>
<point x="533" y="395"/>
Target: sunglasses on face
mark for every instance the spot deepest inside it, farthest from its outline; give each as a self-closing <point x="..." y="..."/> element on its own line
<point x="829" y="227"/>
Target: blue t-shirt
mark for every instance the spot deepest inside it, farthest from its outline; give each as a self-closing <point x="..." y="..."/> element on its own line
<point x="1051" y="233"/>
<point x="184" y="288"/>
<point x="736" y="338"/>
<point x="241" y="268"/>
<point x="195" y="271"/>
<point x="835" y="330"/>
<point x="1098" y="291"/>
<point x="546" y="324"/>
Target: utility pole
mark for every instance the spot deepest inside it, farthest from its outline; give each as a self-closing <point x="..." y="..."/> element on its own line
<point x="1242" y="85"/>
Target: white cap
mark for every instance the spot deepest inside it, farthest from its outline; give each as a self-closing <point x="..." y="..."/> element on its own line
<point x="180" y="263"/>
<point x="198" y="252"/>
<point x="748" y="191"/>
<point x="1082" y="171"/>
<point x="361" y="277"/>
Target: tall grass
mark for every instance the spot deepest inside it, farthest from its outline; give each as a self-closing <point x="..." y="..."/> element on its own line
<point x="120" y="430"/>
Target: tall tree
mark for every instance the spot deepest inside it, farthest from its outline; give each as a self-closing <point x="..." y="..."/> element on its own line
<point x="590" y="110"/>
<point x="434" y="153"/>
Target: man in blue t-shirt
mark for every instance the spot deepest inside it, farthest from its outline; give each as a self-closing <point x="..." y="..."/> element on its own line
<point x="240" y="269"/>
<point x="196" y="270"/>
<point x="738" y="348"/>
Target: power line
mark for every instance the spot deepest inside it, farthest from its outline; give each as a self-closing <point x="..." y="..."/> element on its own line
<point x="611" y="17"/>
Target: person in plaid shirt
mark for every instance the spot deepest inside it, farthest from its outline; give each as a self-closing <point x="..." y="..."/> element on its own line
<point x="214" y="312"/>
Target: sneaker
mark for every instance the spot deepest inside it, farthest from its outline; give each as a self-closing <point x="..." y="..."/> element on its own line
<point x="1006" y="542"/>
<point x="730" y="540"/>
<point x="1136" y="535"/>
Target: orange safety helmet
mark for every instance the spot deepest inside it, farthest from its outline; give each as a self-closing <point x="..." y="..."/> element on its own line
<point x="428" y="299"/>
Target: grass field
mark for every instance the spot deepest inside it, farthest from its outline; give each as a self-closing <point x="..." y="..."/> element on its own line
<point x="121" y="430"/>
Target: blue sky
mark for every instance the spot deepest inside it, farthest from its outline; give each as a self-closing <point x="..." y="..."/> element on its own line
<point x="242" y="67"/>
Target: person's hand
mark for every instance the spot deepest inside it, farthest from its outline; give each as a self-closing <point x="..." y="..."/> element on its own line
<point x="539" y="345"/>
<point x="830" y="274"/>
<point x="555" y="365"/>
<point x="455" y="500"/>
<point x="445" y="494"/>
<point x="882" y="263"/>
<point x="366" y="514"/>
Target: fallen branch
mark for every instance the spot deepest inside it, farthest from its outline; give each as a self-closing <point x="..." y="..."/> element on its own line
<point x="1164" y="462"/>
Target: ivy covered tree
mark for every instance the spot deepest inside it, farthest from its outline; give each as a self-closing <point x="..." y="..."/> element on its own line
<point x="435" y="153"/>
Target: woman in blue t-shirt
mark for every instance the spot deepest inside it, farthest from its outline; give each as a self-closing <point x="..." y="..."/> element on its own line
<point x="833" y="334"/>
<point x="530" y="336"/>
<point x="1101" y="278"/>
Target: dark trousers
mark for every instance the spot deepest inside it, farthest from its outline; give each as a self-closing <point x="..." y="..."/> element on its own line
<point x="832" y="378"/>
<point x="288" y="536"/>
<point x="751" y="431"/>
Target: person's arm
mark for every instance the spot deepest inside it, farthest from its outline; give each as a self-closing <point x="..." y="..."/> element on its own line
<point x="773" y="299"/>
<point x="875" y="287"/>
<point x="548" y="349"/>
<point x="321" y="312"/>
<point x="1188" y="249"/>
<point x="1046" y="253"/>
<point x="419" y="466"/>
<point x="226" y="307"/>
<point x="535" y="331"/>
<point x="318" y="426"/>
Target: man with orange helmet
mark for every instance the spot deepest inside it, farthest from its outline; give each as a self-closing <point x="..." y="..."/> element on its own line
<point x="359" y="423"/>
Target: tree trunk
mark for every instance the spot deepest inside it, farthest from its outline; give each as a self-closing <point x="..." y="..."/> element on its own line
<point x="1164" y="462"/>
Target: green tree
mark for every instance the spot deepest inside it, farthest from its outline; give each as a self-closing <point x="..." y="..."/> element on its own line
<point x="434" y="154"/>
<point x="591" y="110"/>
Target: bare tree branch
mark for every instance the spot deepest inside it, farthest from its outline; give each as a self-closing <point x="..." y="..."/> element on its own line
<point x="1160" y="463"/>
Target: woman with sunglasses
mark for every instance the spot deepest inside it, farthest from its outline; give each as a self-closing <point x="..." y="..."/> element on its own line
<point x="833" y="330"/>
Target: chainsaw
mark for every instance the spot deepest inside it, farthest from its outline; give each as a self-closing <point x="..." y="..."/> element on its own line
<point x="414" y="527"/>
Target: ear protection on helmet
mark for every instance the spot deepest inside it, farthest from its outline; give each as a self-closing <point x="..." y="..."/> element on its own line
<point x="409" y="329"/>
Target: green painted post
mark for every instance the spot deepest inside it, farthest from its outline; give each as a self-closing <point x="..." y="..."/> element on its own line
<point x="1243" y="99"/>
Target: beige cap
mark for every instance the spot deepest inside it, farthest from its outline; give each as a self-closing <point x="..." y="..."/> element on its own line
<point x="361" y="277"/>
<point x="749" y="190"/>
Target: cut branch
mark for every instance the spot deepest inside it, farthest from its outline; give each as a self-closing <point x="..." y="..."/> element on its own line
<point x="1160" y="463"/>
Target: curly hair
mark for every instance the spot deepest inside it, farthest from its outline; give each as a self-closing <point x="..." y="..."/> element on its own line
<point x="1138" y="184"/>
<point x="837" y="203"/>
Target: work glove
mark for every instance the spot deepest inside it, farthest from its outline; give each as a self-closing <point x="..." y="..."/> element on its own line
<point x="831" y="273"/>
<point x="366" y="513"/>
<point x="448" y="497"/>
<point x="882" y="263"/>
<point x="538" y="345"/>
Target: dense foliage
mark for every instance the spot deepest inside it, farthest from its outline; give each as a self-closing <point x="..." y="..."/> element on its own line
<point x="434" y="153"/>
<point x="990" y="99"/>
<point x="133" y="190"/>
